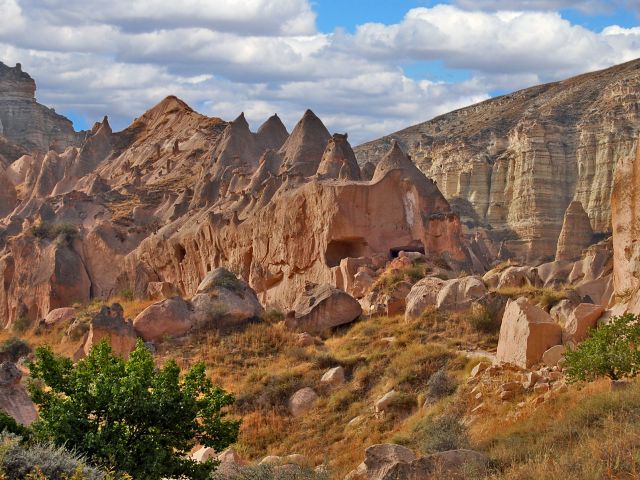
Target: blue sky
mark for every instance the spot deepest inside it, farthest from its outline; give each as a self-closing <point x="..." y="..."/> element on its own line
<point x="368" y="68"/>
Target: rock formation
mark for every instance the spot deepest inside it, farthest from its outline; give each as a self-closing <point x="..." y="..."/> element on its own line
<point x="576" y="233"/>
<point x="517" y="161"/>
<point x="25" y="122"/>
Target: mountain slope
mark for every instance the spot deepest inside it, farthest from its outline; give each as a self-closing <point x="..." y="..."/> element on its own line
<point x="516" y="162"/>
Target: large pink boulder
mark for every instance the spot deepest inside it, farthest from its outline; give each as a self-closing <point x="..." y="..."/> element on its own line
<point x="169" y="318"/>
<point x="526" y="333"/>
<point x="423" y="295"/>
<point x="583" y="318"/>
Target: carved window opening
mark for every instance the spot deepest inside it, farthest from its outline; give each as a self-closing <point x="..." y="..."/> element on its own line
<point x="344" y="248"/>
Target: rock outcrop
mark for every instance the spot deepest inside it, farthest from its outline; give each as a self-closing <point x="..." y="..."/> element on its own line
<point x="14" y="399"/>
<point x="576" y="233"/>
<point x="109" y="324"/>
<point x="24" y="121"/>
<point x="517" y="161"/>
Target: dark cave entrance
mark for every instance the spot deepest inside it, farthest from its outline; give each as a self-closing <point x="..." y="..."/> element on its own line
<point x="343" y="248"/>
<point x="415" y="247"/>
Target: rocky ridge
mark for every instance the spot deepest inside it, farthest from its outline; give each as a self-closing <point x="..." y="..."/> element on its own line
<point x="514" y="163"/>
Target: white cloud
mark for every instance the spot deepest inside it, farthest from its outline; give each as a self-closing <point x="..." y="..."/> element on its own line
<point x="588" y="6"/>
<point x="265" y="56"/>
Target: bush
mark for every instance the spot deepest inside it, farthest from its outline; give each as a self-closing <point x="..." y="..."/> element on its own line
<point x="611" y="351"/>
<point x="64" y="231"/>
<point x="21" y="324"/>
<point x="14" y="349"/>
<point x="266" y="472"/>
<point x="19" y="462"/>
<point x="9" y="425"/>
<point x="437" y="434"/>
<point x="482" y="320"/>
<point x="441" y="385"/>
<point x="129" y="415"/>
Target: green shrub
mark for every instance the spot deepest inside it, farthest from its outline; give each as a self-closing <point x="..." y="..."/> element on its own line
<point x="21" y="324"/>
<point x="126" y="294"/>
<point x="14" y="349"/>
<point x="611" y="350"/>
<point x="278" y="389"/>
<point x="482" y="320"/>
<point x="440" y="433"/>
<point x="130" y="415"/>
<point x="9" y="425"/>
<point x="18" y="461"/>
<point x="274" y="315"/>
<point x="441" y="385"/>
<point x="48" y="231"/>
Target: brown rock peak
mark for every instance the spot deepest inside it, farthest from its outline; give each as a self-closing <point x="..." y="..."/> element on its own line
<point x="303" y="150"/>
<point x="576" y="233"/>
<point x="236" y="148"/>
<point x="395" y="159"/>
<point x="272" y="133"/>
<point x="14" y="83"/>
<point x="338" y="160"/>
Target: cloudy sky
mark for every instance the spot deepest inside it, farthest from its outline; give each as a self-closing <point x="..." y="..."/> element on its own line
<point x="366" y="67"/>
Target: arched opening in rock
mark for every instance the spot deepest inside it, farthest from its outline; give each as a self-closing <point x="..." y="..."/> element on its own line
<point x="343" y="248"/>
<point x="414" y="247"/>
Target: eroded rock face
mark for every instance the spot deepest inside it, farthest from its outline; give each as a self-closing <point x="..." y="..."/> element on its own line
<point x="576" y="233"/>
<point x="423" y="294"/>
<point x="14" y="399"/>
<point x="26" y="122"/>
<point x="516" y="162"/>
<point x="169" y="318"/>
<point x="526" y="333"/>
<point x="111" y="325"/>
<point x="322" y="307"/>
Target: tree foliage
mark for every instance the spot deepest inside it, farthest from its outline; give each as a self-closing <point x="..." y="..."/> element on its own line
<point x="128" y="415"/>
<point x="611" y="350"/>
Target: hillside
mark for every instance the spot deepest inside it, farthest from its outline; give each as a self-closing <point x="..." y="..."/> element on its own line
<point x="514" y="163"/>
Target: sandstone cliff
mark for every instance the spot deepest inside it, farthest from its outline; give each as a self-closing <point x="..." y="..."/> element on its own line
<point x="24" y="121"/>
<point x="515" y="162"/>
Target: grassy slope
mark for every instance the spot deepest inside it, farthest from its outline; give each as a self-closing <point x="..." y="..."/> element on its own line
<point x="586" y="433"/>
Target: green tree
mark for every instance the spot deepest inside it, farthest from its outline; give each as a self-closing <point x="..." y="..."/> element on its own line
<point x="611" y="350"/>
<point x="128" y="415"/>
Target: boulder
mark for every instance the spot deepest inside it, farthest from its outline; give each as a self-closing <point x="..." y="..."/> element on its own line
<point x="321" y="307"/>
<point x="423" y="294"/>
<point x="230" y="462"/>
<point x="379" y="459"/>
<point x="517" y="277"/>
<point x="226" y="300"/>
<point x="526" y="333"/>
<point x="302" y="401"/>
<point x="110" y="324"/>
<point x="386" y="401"/>
<point x="562" y="310"/>
<point x="441" y="465"/>
<point x="583" y="318"/>
<point x="460" y="293"/>
<point x="169" y="318"/>
<point x="204" y="454"/>
<point x="552" y="356"/>
<point x="60" y="315"/>
<point x="333" y="376"/>
<point x="389" y="301"/>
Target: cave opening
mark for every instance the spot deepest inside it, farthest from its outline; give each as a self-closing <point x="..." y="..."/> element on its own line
<point x="180" y="252"/>
<point x="343" y="248"/>
<point x="417" y="247"/>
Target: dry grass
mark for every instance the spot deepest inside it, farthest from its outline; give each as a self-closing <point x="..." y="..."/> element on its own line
<point x="544" y="296"/>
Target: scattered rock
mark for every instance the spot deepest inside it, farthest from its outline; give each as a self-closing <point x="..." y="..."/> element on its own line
<point x="460" y="293"/>
<point x="386" y="401"/>
<point x="422" y="295"/>
<point x="333" y="376"/>
<point x="302" y="401"/>
<point x="552" y="356"/>
<point x="379" y="459"/>
<point x="60" y="315"/>
<point x="204" y="454"/>
<point x="322" y="307"/>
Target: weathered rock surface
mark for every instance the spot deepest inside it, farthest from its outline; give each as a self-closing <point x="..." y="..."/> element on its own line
<point x="169" y="318"/>
<point x="526" y="333"/>
<point x="26" y="122"/>
<point x="576" y="233"/>
<point x="302" y="401"/>
<point x="460" y="293"/>
<point x="322" y="307"/>
<point x="111" y="325"/>
<point x="60" y="315"/>
<point x="423" y="294"/>
<point x="582" y="319"/>
<point x="14" y="399"/>
<point x="517" y="161"/>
